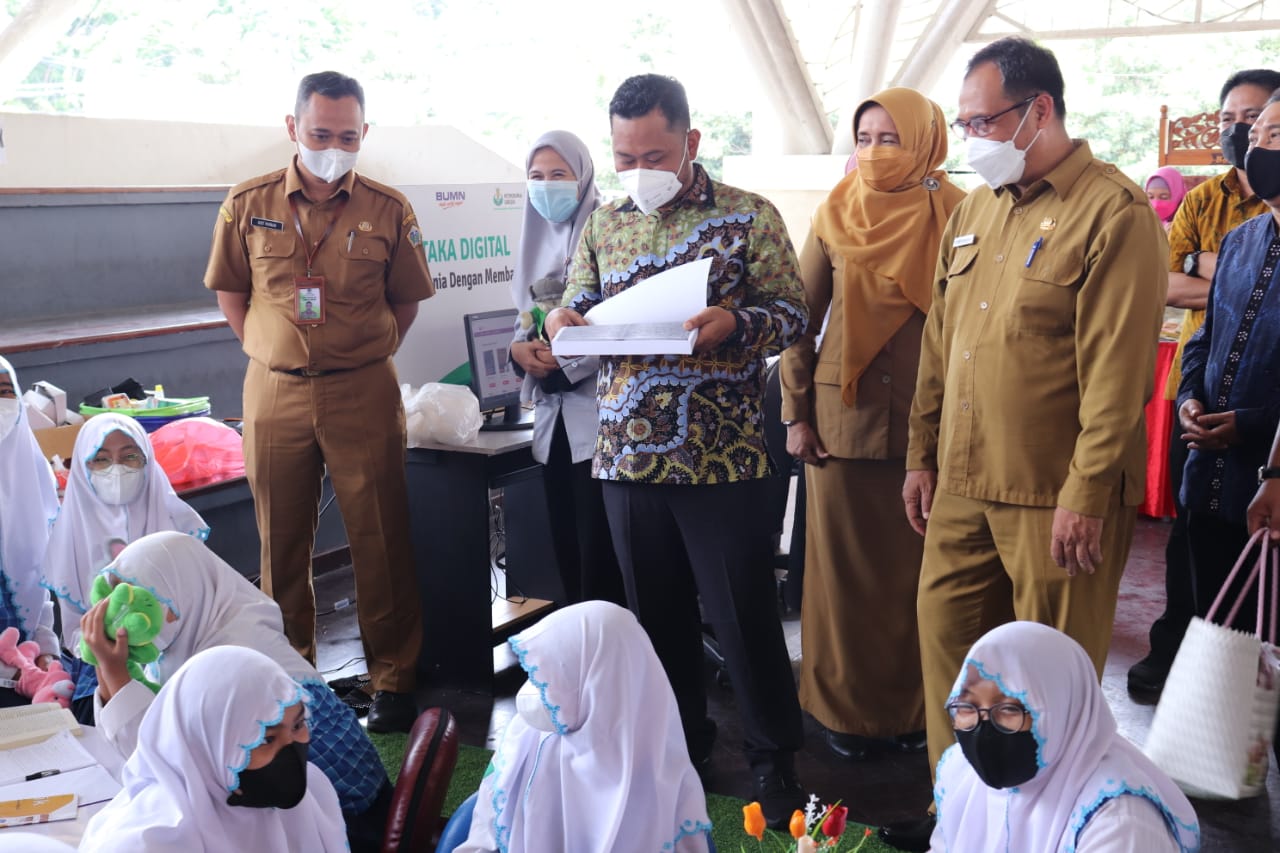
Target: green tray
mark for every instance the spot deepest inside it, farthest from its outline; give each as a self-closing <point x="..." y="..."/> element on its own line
<point x="176" y="406"/>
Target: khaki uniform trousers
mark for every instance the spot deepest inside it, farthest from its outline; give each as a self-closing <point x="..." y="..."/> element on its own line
<point x="353" y="423"/>
<point x="988" y="563"/>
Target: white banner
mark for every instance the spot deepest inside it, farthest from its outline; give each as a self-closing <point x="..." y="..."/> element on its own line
<point x="470" y="233"/>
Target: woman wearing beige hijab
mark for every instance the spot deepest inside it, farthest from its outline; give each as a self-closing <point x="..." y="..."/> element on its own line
<point x="869" y="258"/>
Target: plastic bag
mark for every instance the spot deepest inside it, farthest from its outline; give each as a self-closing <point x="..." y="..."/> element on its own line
<point x="440" y="414"/>
<point x="197" y="451"/>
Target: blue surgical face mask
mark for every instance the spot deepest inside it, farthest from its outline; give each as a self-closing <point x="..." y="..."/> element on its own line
<point x="555" y="201"/>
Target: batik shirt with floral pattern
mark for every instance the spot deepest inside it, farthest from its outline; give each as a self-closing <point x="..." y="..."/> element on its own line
<point x="694" y="419"/>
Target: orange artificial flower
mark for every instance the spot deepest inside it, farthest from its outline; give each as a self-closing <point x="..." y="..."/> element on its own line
<point x="798" y="826"/>
<point x="753" y="820"/>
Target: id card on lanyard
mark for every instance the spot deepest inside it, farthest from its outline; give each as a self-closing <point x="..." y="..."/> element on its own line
<point x="308" y="290"/>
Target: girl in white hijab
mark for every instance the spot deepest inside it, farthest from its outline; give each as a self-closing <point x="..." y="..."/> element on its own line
<point x="1039" y="766"/>
<point x="214" y="605"/>
<point x="28" y="506"/>
<point x="595" y="758"/>
<point x="112" y="498"/>
<point x="561" y="197"/>
<point x="221" y="764"/>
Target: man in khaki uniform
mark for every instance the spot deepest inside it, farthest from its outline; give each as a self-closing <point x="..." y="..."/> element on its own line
<point x="319" y="272"/>
<point x="1027" y="449"/>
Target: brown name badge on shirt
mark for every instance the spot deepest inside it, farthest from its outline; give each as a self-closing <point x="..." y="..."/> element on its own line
<point x="308" y="300"/>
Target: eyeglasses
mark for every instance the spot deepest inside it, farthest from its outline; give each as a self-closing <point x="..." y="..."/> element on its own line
<point x="983" y="125"/>
<point x="129" y="460"/>
<point x="1007" y="717"/>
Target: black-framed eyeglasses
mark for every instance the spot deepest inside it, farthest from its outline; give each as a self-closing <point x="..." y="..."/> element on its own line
<point x="983" y="125"/>
<point x="1007" y="717"/>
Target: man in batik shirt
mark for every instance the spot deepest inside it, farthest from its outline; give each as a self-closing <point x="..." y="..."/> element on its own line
<point x="681" y="445"/>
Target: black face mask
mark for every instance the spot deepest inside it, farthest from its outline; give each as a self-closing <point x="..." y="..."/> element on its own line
<point x="1262" y="168"/>
<point x="1235" y="142"/>
<point x="1000" y="760"/>
<point x="280" y="784"/>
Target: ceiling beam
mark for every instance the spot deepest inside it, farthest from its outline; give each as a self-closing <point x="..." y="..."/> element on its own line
<point x="773" y="53"/>
<point x="872" y="41"/>
<point x="954" y="23"/>
<point x="1127" y="32"/>
<point x="29" y="37"/>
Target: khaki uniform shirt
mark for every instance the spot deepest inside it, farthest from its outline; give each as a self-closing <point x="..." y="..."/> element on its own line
<point x="875" y="427"/>
<point x="1036" y="365"/>
<point x="372" y="259"/>
<point x="1206" y="214"/>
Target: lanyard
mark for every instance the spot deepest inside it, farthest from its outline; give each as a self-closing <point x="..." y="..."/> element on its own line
<point x="309" y="249"/>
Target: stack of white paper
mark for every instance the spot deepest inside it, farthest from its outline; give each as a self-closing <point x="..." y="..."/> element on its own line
<point x="645" y="319"/>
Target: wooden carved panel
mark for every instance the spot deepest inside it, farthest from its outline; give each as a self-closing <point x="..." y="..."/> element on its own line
<point x="1189" y="140"/>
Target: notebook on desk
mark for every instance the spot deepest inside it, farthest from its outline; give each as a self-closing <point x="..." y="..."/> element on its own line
<point x="55" y="755"/>
<point x="29" y="810"/>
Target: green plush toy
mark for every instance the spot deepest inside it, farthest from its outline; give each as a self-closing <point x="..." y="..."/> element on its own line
<point x="140" y="614"/>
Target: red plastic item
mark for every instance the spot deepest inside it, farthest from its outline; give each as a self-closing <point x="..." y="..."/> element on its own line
<point x="197" y="451"/>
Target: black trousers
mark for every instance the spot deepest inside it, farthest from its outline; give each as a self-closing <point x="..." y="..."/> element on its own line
<point x="1179" y="598"/>
<point x="681" y="544"/>
<point x="579" y="528"/>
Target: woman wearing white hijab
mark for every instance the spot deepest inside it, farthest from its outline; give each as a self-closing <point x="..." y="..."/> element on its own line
<point x="28" y="506"/>
<point x="214" y="605"/>
<point x="112" y="498"/>
<point x="221" y="765"/>
<point x="1040" y="767"/>
<point x="561" y="197"/>
<point x="595" y="758"/>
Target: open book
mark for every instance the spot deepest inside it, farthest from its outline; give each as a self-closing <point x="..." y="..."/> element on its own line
<point x="645" y="319"/>
<point x="26" y="724"/>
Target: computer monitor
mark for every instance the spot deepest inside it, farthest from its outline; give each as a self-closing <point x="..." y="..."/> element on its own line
<point x="494" y="382"/>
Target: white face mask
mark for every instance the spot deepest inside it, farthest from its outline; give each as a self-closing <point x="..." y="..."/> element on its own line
<point x="168" y="631"/>
<point x="999" y="163"/>
<point x="650" y="189"/>
<point x="327" y="164"/>
<point x="119" y="484"/>
<point x="10" y="408"/>
<point x="531" y="709"/>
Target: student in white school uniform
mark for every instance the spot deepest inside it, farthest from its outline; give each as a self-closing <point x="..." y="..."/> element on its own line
<point x="595" y="758"/>
<point x="28" y="506"/>
<point x="221" y="765"/>
<point x="1039" y="766"/>
<point x="214" y="605"/>
<point x="116" y="493"/>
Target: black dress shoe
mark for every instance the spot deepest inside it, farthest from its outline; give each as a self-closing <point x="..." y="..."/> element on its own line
<point x="912" y="742"/>
<point x="779" y="795"/>
<point x="1146" y="679"/>
<point x="909" y="835"/>
<point x="392" y="712"/>
<point x="848" y="747"/>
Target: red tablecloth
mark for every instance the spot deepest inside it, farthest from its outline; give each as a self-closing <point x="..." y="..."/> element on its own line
<point x="1159" y="499"/>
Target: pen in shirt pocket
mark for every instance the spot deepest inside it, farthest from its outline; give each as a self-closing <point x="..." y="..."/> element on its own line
<point x="351" y="236"/>
<point x="1035" y="247"/>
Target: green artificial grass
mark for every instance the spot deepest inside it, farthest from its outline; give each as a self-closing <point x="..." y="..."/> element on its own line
<point x="725" y="812"/>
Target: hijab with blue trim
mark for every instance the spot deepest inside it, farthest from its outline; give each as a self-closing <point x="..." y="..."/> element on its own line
<point x="28" y="507"/>
<point x="88" y="530"/>
<point x="1084" y="761"/>
<point x="613" y="772"/>
<point x="214" y="603"/>
<point x="194" y="741"/>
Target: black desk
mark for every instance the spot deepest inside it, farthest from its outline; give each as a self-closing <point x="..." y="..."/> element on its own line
<point x="449" y="511"/>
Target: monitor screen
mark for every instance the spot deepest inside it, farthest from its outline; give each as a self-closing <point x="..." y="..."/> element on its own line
<point x="493" y="380"/>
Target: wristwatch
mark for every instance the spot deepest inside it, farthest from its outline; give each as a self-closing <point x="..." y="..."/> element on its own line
<point x="1268" y="473"/>
<point x="1191" y="264"/>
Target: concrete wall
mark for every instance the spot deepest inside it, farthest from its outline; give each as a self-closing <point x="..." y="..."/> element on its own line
<point x="796" y="184"/>
<point x="74" y="151"/>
